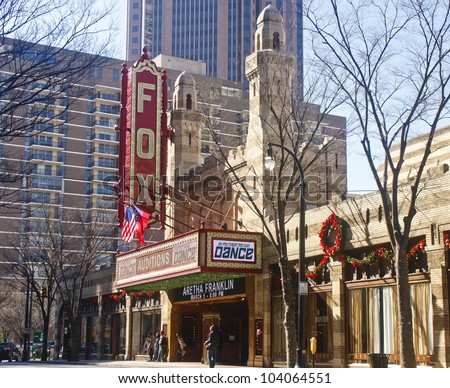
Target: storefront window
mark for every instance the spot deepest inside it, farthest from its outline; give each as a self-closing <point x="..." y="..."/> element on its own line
<point x="122" y="334"/>
<point x="373" y="321"/>
<point x="83" y="334"/>
<point x="278" y="334"/>
<point x="95" y="330"/>
<point x="422" y="313"/>
<point x="321" y="324"/>
<point x="150" y="323"/>
<point x="372" y="318"/>
<point x="107" y="335"/>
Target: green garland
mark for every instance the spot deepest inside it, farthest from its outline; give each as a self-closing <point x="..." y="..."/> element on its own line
<point x="373" y="257"/>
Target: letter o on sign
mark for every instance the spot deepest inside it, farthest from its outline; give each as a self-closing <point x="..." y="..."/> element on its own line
<point x="151" y="143"/>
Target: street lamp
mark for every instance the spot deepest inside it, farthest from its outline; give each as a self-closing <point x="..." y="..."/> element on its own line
<point x="26" y="335"/>
<point x="302" y="296"/>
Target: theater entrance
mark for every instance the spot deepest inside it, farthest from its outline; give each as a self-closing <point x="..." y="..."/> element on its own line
<point x="231" y="321"/>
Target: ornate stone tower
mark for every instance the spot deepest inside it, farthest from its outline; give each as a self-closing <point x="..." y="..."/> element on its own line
<point x="270" y="70"/>
<point x="187" y="123"/>
<point x="184" y="151"/>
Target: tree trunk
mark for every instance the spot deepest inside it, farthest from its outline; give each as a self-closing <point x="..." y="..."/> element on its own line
<point x="289" y="312"/>
<point x="44" y="356"/>
<point x="74" y="354"/>
<point x="405" y="328"/>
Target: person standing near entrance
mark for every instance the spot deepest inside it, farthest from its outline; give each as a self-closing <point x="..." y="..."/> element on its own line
<point x="181" y="346"/>
<point x="156" y="348"/>
<point x="162" y="355"/>
<point x="212" y="346"/>
<point x="150" y="345"/>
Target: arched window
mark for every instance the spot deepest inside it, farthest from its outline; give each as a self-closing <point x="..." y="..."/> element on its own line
<point x="276" y="41"/>
<point x="189" y="102"/>
<point x="258" y="43"/>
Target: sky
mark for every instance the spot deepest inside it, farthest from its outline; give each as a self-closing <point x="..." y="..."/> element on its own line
<point x="120" y="17"/>
<point x="359" y="178"/>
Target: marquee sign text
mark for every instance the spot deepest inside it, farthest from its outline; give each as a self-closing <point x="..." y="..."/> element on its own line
<point x="210" y="290"/>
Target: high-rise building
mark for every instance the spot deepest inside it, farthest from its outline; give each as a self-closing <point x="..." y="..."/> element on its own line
<point x="219" y="33"/>
<point x="69" y="156"/>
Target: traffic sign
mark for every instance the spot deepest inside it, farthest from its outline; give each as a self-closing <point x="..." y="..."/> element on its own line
<point x="303" y="288"/>
<point x="38" y="338"/>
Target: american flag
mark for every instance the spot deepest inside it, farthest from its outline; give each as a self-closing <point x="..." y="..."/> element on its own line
<point x="141" y="222"/>
<point x="129" y="225"/>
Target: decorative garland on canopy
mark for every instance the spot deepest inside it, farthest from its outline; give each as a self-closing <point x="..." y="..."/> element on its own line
<point x="119" y="296"/>
<point x="332" y="224"/>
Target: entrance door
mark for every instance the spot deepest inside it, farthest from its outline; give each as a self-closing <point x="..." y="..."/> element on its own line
<point x="234" y="338"/>
<point x="209" y="319"/>
<point x="231" y="324"/>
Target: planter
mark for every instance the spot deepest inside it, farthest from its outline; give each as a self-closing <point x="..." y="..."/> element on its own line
<point x="378" y="360"/>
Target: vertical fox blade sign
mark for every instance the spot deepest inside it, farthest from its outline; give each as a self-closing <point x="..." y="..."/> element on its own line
<point x="143" y="140"/>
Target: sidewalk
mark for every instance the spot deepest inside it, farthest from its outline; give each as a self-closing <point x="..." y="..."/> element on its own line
<point x="121" y="364"/>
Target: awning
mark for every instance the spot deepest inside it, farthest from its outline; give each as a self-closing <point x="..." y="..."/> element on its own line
<point x="196" y="257"/>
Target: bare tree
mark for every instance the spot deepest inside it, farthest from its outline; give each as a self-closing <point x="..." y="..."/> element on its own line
<point x="54" y="259"/>
<point x="42" y="57"/>
<point x="34" y="266"/>
<point x="13" y="308"/>
<point x="391" y="60"/>
<point x="83" y="240"/>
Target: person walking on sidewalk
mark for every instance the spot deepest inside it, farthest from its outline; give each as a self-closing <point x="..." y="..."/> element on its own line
<point x="212" y="346"/>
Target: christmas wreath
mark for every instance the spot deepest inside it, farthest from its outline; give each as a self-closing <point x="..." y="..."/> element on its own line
<point x="331" y="224"/>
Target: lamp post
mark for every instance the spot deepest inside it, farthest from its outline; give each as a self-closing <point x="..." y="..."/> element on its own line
<point x="302" y="296"/>
<point x="26" y="335"/>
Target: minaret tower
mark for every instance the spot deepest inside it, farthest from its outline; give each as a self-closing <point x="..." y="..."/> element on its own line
<point x="186" y="123"/>
<point x="270" y="70"/>
<point x="271" y="74"/>
<point x="184" y="151"/>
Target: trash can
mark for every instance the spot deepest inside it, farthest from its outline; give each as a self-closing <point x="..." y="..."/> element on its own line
<point x="378" y="360"/>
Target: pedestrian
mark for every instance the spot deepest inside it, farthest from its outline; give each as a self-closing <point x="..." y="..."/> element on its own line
<point x="145" y="346"/>
<point x="150" y="346"/>
<point x="181" y="346"/>
<point x="212" y="346"/>
<point x="156" y="348"/>
<point x="162" y="353"/>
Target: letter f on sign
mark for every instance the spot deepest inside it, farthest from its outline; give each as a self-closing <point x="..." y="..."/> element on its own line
<point x="142" y="86"/>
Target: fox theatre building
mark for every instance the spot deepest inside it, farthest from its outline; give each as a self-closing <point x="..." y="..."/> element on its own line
<point x="203" y="277"/>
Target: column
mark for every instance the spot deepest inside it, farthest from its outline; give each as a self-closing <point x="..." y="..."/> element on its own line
<point x="267" y="319"/>
<point x="251" y="300"/>
<point x="439" y="290"/>
<point x="128" y="328"/>
<point x="101" y="325"/>
<point x="338" y="296"/>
